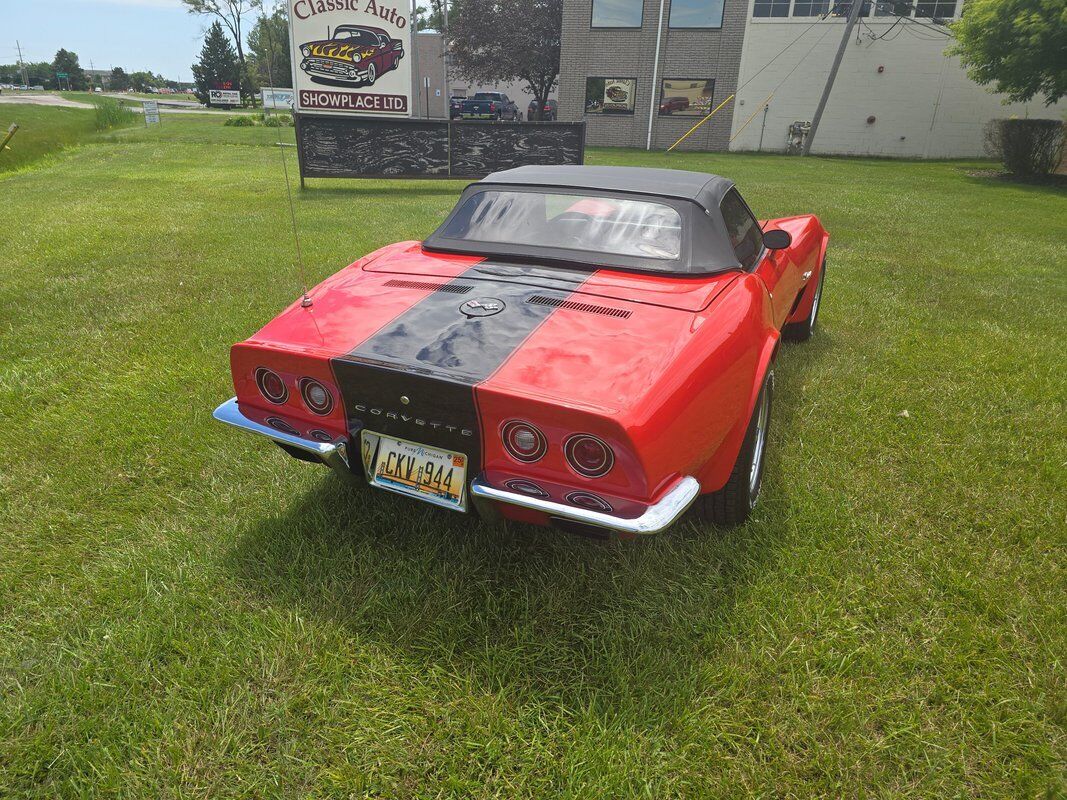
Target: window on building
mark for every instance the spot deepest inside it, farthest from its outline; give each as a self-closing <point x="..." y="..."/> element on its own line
<point x="610" y="95"/>
<point x="617" y="13"/>
<point x="843" y="9"/>
<point x="892" y="8"/>
<point x="686" y="97"/>
<point x="936" y="8"/>
<point x="810" y="8"/>
<point x="697" y="13"/>
<point x="744" y="231"/>
<point x="771" y="8"/>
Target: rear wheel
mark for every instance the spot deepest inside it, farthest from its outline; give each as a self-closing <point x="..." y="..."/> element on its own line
<point x="732" y="504"/>
<point x="802" y="331"/>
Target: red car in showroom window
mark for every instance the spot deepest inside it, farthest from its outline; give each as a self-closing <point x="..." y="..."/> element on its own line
<point x="586" y="347"/>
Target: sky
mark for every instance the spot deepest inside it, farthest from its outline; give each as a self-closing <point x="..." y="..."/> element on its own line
<point x="156" y="35"/>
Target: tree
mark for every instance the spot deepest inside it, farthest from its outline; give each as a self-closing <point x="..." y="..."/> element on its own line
<point x="230" y="13"/>
<point x="143" y="81"/>
<point x="118" y="81"/>
<point x="67" y="62"/>
<point x="218" y="63"/>
<point x="268" y="47"/>
<point x="494" y="41"/>
<point x="1016" y="45"/>
<point x="433" y="18"/>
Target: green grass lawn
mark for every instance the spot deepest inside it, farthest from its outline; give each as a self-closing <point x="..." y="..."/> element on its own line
<point x="44" y="131"/>
<point x="185" y="611"/>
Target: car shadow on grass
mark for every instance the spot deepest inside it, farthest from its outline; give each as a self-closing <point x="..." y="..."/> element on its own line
<point x="625" y="631"/>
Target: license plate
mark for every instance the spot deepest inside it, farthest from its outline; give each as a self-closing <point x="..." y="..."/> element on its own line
<point x="397" y="465"/>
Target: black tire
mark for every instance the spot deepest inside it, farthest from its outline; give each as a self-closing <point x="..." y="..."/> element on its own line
<point x="731" y="505"/>
<point x="802" y="331"/>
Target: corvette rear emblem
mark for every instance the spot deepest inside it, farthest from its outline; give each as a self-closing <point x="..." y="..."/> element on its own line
<point x="482" y="307"/>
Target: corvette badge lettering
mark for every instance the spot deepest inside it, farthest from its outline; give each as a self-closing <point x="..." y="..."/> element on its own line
<point x="381" y="412"/>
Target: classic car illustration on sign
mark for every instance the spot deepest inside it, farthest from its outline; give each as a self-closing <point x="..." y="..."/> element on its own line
<point x="350" y="56"/>
<point x="355" y="54"/>
<point x="586" y="347"/>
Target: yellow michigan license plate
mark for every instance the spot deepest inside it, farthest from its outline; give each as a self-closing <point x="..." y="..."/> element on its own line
<point x="437" y="476"/>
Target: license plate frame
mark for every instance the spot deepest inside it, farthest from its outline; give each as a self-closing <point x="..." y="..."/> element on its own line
<point x="371" y="448"/>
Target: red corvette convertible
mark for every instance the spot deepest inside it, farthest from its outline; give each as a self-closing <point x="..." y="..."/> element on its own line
<point x="586" y="347"/>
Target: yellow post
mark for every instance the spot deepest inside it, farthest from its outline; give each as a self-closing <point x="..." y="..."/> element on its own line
<point x="709" y="116"/>
<point x="10" y="132"/>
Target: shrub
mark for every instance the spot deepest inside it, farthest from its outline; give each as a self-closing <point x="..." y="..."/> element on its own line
<point x="239" y="122"/>
<point x="1026" y="146"/>
<point x="278" y="121"/>
<point x="112" y="114"/>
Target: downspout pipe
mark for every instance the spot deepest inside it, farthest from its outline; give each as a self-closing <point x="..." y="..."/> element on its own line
<point x="654" y="94"/>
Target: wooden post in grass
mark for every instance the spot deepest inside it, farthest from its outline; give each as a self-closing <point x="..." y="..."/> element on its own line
<point x="10" y="132"/>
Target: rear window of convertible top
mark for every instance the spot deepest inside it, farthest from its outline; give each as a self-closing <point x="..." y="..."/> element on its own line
<point x="591" y="223"/>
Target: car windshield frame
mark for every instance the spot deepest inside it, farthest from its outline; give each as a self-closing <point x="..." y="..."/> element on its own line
<point x="694" y="241"/>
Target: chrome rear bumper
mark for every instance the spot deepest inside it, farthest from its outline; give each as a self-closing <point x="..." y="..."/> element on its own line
<point x="333" y="455"/>
<point x="657" y="517"/>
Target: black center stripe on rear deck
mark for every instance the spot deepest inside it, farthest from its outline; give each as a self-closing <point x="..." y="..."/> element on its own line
<point x="414" y="378"/>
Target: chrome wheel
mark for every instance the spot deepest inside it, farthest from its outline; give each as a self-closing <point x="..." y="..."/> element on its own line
<point x="763" y="415"/>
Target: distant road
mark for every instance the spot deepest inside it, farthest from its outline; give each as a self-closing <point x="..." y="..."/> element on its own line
<point x="41" y="100"/>
<point x="176" y="107"/>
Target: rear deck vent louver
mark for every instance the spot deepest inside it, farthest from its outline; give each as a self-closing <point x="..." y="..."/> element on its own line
<point x="589" y="308"/>
<point x="433" y="287"/>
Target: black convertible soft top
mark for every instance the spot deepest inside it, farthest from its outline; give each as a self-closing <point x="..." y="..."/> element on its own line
<point x="706" y="245"/>
<point x="702" y="188"/>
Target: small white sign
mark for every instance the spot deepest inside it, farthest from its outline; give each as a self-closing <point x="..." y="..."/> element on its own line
<point x="223" y="97"/>
<point x="278" y="98"/>
<point x="151" y="112"/>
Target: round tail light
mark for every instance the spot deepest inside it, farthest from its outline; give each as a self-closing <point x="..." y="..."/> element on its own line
<point x="271" y="386"/>
<point x="588" y="455"/>
<point x="316" y="396"/>
<point x="524" y="442"/>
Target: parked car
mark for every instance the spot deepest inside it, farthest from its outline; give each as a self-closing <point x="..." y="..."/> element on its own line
<point x="455" y="107"/>
<point x="489" y="105"/>
<point x="671" y="104"/>
<point x="551" y="110"/>
<point x="355" y="54"/>
<point x="587" y="347"/>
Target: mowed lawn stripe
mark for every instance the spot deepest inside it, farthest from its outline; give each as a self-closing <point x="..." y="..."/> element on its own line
<point x="189" y="612"/>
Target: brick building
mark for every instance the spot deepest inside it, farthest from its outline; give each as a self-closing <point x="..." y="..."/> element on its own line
<point x="897" y="94"/>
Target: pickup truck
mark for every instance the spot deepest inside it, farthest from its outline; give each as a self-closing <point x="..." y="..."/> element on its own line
<point x="489" y="105"/>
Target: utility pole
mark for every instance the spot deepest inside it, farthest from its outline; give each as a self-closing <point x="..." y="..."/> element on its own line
<point x="416" y="78"/>
<point x="853" y="15"/>
<point x="25" y="80"/>
<point x="92" y="69"/>
<point x="444" y="54"/>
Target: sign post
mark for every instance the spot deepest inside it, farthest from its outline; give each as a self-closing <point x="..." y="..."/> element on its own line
<point x="352" y="57"/>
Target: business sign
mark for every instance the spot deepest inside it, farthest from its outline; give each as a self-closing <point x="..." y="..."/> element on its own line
<point x="151" y="112"/>
<point x="223" y="97"/>
<point x="351" y="56"/>
<point x="278" y="98"/>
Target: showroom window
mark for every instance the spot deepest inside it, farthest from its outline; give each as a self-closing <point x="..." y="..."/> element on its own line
<point x="617" y="13"/>
<point x="686" y="97"/>
<point x="610" y="95"/>
<point x="696" y="13"/>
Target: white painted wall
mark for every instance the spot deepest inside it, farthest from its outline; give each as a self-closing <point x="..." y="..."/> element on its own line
<point x="923" y="102"/>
